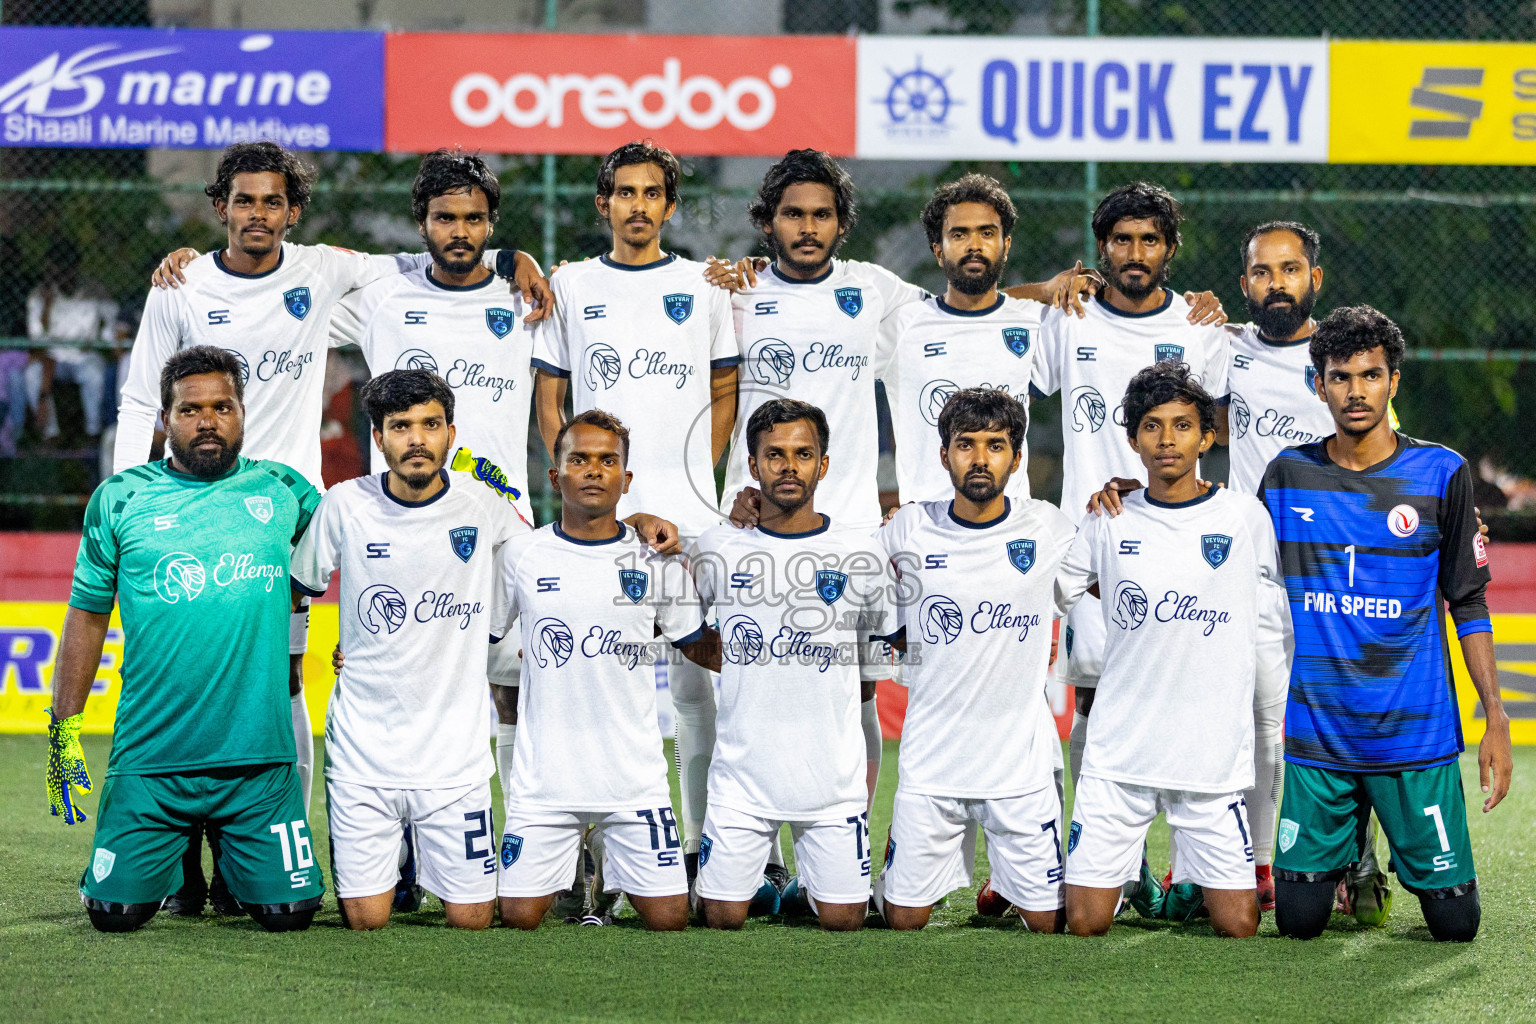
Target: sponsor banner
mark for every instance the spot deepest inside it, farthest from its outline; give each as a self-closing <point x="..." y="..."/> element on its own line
<point x="1106" y="98"/>
<point x="1433" y="103"/>
<point x="190" y="89"/>
<point x="29" y="646"/>
<point x="718" y="95"/>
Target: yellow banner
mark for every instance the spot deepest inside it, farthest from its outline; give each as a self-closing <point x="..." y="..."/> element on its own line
<point x="1432" y="103"/>
<point x="29" y="645"/>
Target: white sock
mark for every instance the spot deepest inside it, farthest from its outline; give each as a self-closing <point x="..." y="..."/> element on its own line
<point x="304" y="745"/>
<point x="693" y="706"/>
<point x="1268" y="770"/>
<point x="869" y="718"/>
<point x="1075" y="742"/>
<point x="505" y="735"/>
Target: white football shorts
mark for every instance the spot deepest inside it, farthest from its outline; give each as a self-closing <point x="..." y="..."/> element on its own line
<point x="504" y="663"/>
<point x="1085" y="650"/>
<point x="930" y="853"/>
<point x="1212" y="846"/>
<point x="831" y="856"/>
<point x="298" y="628"/>
<point x="452" y="831"/>
<point x="642" y="851"/>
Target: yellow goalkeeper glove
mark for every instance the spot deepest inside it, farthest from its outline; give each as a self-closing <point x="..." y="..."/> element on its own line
<point x="66" y="766"/>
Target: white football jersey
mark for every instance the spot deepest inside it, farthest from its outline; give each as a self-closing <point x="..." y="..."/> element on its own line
<point x="1272" y="404"/>
<point x="277" y="325"/>
<point x="1180" y="588"/>
<point x="640" y="342"/>
<point x="473" y="336"/>
<point x="411" y="707"/>
<point x="937" y="350"/>
<point x="1091" y="359"/>
<point x="820" y="341"/>
<point x="796" y="615"/>
<point x="976" y="602"/>
<point x="595" y="618"/>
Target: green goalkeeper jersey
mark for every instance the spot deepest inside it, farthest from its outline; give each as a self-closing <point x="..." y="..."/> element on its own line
<point x="200" y="569"/>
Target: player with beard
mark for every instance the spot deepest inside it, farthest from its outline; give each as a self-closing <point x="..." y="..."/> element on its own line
<point x="971" y="336"/>
<point x="800" y="604"/>
<point x="406" y="757"/>
<point x="979" y="747"/>
<point x="1135" y="321"/>
<point x="638" y="333"/>
<point x="195" y="551"/>
<point x="269" y="302"/>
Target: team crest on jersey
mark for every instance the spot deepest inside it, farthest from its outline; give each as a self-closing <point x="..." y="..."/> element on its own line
<point x="499" y="321"/>
<point x="634" y="583"/>
<point x="1403" y="520"/>
<point x="1021" y="554"/>
<point x="1167" y="353"/>
<point x="1017" y="340"/>
<point x="101" y="864"/>
<point x="462" y="539"/>
<point x="1309" y="374"/>
<point x="1215" y="547"/>
<point x="850" y="300"/>
<point x="511" y="849"/>
<point x="679" y="307"/>
<point x="705" y="845"/>
<point x="1073" y="835"/>
<point x="260" y="506"/>
<point x="297" y="302"/>
<point x="1289" y="831"/>
<point x="830" y="584"/>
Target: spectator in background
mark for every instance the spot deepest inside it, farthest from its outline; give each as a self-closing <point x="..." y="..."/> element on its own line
<point x="13" y="399"/>
<point x="68" y="309"/>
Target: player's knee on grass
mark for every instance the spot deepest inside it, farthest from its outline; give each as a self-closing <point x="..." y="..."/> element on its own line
<point x="728" y="916"/>
<point x="661" y="913"/>
<point x="284" y="917"/>
<point x="841" y="917"/>
<point x="470" y="916"/>
<point x="1302" y="909"/>
<point x="119" y="917"/>
<point x="1234" y="912"/>
<point x="1047" y="922"/>
<point x="1090" y="912"/>
<point x="906" y="919"/>
<point x="525" y="912"/>
<point x="366" y="913"/>
<point x="1455" y="919"/>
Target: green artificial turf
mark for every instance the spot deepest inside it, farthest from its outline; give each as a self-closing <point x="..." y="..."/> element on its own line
<point x="54" y="967"/>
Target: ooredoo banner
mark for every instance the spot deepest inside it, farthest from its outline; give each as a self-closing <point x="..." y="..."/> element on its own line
<point x="1107" y="98"/>
<point x="719" y="95"/>
<point x="139" y="88"/>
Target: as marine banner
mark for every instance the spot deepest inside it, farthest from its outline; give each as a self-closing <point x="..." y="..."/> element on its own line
<point x="140" y="88"/>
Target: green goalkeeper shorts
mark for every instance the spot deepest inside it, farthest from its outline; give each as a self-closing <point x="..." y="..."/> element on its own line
<point x="144" y="822"/>
<point x="1323" y="817"/>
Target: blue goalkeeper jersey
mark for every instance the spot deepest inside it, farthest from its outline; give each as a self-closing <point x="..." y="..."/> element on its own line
<point x="1370" y="560"/>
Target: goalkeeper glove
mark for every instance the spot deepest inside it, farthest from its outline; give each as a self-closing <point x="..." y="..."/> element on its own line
<point x="66" y="766"/>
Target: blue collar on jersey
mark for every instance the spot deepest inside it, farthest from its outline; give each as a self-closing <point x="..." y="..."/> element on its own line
<point x="607" y="262"/>
<point x="826" y="521"/>
<point x="1007" y="507"/>
<point x="1167" y="301"/>
<point x="952" y="311"/>
<point x="384" y="483"/>
<point x="1268" y="342"/>
<point x="457" y="287"/>
<point x="1207" y="496"/>
<point x="589" y="543"/>
<point x="773" y="268"/>
<point x="1322" y="448"/>
<point x="218" y="261"/>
